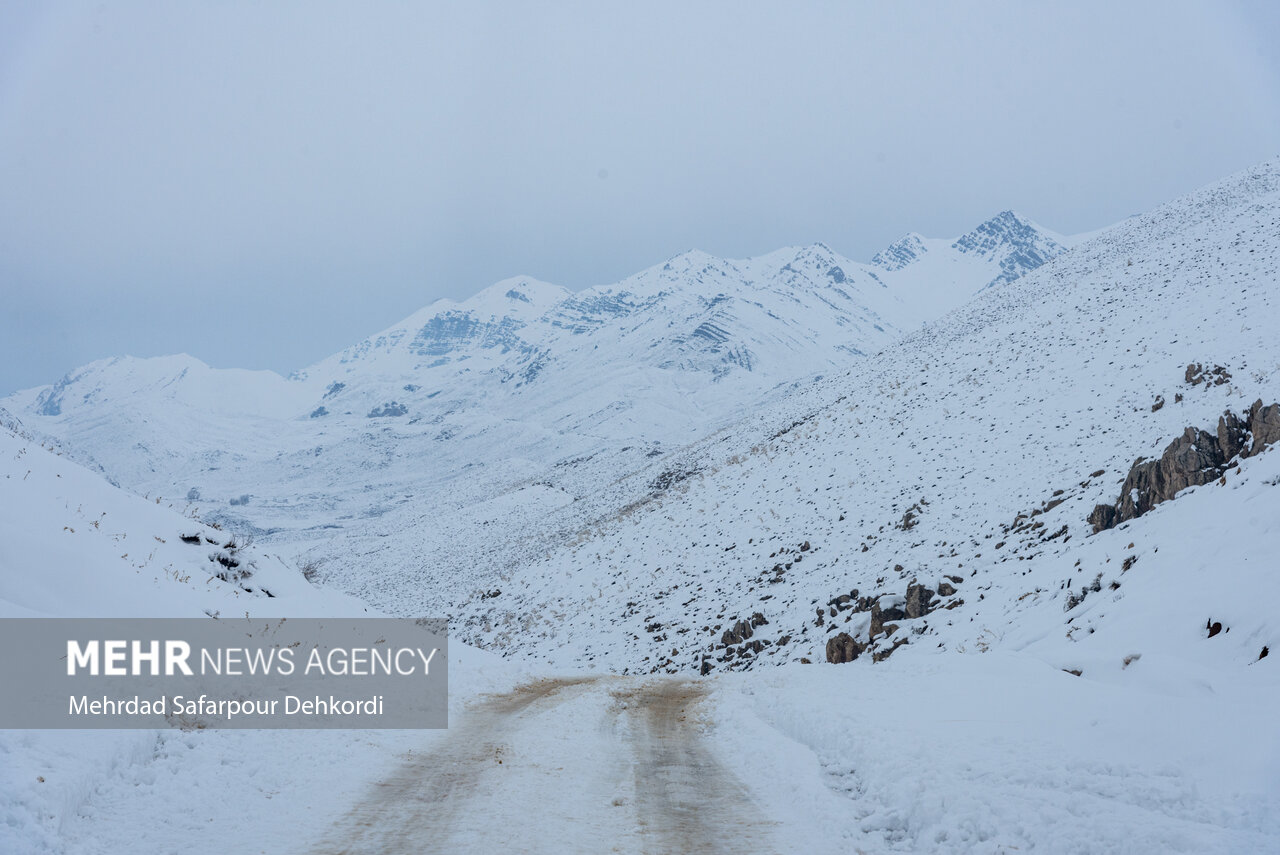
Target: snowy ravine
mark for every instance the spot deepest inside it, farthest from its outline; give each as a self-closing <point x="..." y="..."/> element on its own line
<point x="667" y="612"/>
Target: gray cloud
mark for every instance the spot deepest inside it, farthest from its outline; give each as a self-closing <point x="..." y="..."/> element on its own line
<point x="262" y="184"/>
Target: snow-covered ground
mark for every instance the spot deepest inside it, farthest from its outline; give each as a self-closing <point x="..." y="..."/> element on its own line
<point x="1024" y="683"/>
<point x="72" y="545"/>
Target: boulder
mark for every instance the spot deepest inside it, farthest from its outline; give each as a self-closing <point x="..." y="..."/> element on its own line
<point x="1264" y="424"/>
<point x="1103" y="517"/>
<point x="842" y="648"/>
<point x="879" y="617"/>
<point x="1231" y="435"/>
<point x="744" y="629"/>
<point x="737" y="634"/>
<point x="918" y="597"/>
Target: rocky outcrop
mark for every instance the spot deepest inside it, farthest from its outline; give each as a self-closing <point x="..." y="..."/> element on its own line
<point x="917" y="604"/>
<point x="882" y="619"/>
<point x="1264" y="425"/>
<point x="1231" y="435"/>
<point x="1197" y="457"/>
<point x="742" y="630"/>
<point x="1197" y="374"/>
<point x="843" y="648"/>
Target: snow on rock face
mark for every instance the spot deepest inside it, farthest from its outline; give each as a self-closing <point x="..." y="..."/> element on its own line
<point x="900" y="253"/>
<point x="1018" y="244"/>
<point x="1195" y="458"/>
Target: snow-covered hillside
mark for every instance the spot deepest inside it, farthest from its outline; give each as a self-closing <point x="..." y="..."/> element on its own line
<point x="964" y="461"/>
<point x="449" y="429"/>
<point x="73" y="545"/>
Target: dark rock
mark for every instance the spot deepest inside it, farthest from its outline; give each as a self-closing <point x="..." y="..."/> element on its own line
<point x="744" y="629"/>
<point x="737" y="634"/>
<point x="1197" y="374"/>
<point x="1197" y="457"/>
<point x="1103" y="517"/>
<point x="1264" y="424"/>
<point x="881" y="655"/>
<point x="1231" y="435"/>
<point x="918" y="597"/>
<point x="1189" y="461"/>
<point x="945" y="589"/>
<point x="879" y="617"/>
<point x="842" y="648"/>
<point x="1214" y="627"/>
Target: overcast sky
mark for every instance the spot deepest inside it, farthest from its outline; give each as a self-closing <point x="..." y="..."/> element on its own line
<point x="262" y="184"/>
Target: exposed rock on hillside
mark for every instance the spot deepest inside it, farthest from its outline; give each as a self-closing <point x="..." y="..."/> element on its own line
<point x="1197" y="457"/>
<point x="1197" y="374"/>
<point x="843" y="648"/>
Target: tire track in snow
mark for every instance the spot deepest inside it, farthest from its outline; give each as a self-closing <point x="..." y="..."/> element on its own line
<point x="686" y="797"/>
<point x="586" y="764"/>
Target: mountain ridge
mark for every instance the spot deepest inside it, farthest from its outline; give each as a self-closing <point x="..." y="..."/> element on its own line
<point x="593" y="385"/>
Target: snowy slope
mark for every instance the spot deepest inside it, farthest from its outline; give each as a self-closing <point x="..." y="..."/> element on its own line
<point x="916" y="466"/>
<point x="73" y="545"/>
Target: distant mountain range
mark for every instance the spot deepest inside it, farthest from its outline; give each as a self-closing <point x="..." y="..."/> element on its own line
<point x="463" y="401"/>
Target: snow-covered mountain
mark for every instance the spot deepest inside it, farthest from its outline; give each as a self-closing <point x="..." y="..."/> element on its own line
<point x="459" y="413"/>
<point x="1015" y="478"/>
<point x="946" y="487"/>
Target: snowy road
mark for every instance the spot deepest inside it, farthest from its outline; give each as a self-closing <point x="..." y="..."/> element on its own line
<point x="604" y="764"/>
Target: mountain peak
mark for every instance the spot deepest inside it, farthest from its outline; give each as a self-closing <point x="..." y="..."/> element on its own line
<point x="1017" y="243"/>
<point x="688" y="259"/>
<point x="900" y="253"/>
<point x="1005" y="229"/>
<point x="517" y="296"/>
